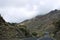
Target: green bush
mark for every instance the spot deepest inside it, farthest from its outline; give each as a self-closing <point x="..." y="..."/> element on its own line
<point x="34" y="34"/>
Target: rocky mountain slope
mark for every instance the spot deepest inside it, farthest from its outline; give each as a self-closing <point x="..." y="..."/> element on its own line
<point x="12" y="31"/>
<point x="44" y="22"/>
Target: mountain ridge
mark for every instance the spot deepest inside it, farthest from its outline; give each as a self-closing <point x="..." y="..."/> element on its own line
<point x="44" y="20"/>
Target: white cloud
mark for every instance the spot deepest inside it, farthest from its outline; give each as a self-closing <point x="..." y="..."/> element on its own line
<point x="19" y="10"/>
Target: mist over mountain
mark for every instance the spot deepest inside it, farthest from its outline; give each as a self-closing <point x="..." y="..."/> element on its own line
<point x="20" y="10"/>
<point x="27" y="19"/>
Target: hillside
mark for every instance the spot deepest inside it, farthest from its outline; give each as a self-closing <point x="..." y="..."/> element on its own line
<point x="11" y="31"/>
<point x="45" y="23"/>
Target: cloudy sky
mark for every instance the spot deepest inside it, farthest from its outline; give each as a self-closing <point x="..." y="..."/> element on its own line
<point x="20" y="10"/>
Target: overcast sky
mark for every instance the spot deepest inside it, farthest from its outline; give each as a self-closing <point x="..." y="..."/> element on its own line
<point x="20" y="10"/>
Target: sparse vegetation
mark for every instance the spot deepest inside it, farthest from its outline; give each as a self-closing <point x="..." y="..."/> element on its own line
<point x="34" y="34"/>
<point x="57" y="29"/>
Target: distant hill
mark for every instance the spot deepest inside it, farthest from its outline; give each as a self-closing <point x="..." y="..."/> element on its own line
<point x="43" y="22"/>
